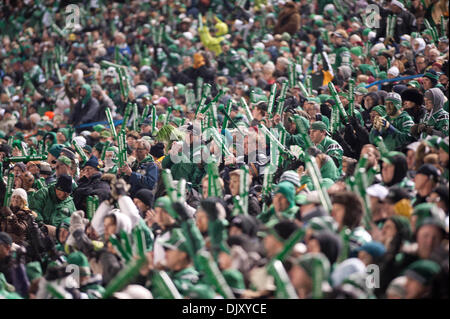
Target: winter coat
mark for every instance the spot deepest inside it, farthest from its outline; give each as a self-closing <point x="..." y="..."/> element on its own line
<point x="288" y="20"/>
<point x="437" y="118"/>
<point x="49" y="208"/>
<point x="398" y="134"/>
<point x="84" y="112"/>
<point x="144" y="175"/>
<point x="90" y="186"/>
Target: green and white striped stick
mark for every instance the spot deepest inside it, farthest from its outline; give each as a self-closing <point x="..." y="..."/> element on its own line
<point x="124" y="277"/>
<point x="9" y="187"/>
<point x="282" y="97"/>
<point x="206" y="91"/>
<point x="351" y="92"/>
<point x="80" y="151"/>
<point x="248" y="113"/>
<point x="273" y="93"/>
<point x="213" y="275"/>
<point x="285" y="290"/>
<point x="25" y="159"/>
<point x="110" y="120"/>
<point x="338" y="101"/>
<point x="165" y="286"/>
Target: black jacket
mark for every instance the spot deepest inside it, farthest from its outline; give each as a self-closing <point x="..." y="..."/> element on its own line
<point x="92" y="186"/>
<point x="86" y="114"/>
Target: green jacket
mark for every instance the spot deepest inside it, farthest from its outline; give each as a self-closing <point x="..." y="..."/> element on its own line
<point x="398" y="134"/>
<point x="340" y="56"/>
<point x="437" y="117"/>
<point x="439" y="121"/>
<point x="189" y="171"/>
<point x="331" y="148"/>
<point x="292" y="139"/>
<point x="49" y="208"/>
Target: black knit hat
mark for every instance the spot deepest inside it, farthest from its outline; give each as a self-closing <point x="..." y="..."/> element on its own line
<point x="157" y="150"/>
<point x="5" y="148"/>
<point x="412" y="95"/>
<point x="64" y="183"/>
<point x="285" y="229"/>
<point x="146" y="196"/>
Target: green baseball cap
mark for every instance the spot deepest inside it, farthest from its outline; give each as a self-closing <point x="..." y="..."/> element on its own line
<point x="99" y="128"/>
<point x="177" y="241"/>
<point x="65" y="160"/>
<point x="319" y="125"/>
<point x="390" y="156"/>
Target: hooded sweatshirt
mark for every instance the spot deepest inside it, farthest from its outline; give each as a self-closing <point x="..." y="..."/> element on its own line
<point x="401" y="169"/>
<point x="437" y="118"/>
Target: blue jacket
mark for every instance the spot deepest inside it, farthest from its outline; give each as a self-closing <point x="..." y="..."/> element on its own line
<point x="144" y="175"/>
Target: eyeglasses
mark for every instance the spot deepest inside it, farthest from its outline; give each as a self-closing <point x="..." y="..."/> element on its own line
<point x="141" y="149"/>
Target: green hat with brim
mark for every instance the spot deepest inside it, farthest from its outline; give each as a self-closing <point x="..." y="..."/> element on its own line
<point x="177" y="241"/>
<point x="105" y="134"/>
<point x="65" y="160"/>
<point x="389" y="157"/>
<point x="99" y="128"/>
<point x="361" y="91"/>
<point x="319" y="125"/>
<point x="414" y="83"/>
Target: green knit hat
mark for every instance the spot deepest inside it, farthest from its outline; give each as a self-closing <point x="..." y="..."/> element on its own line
<point x="444" y="144"/>
<point x="287" y="189"/>
<point x="396" y="99"/>
<point x="80" y="259"/>
<point x="433" y="141"/>
<point x="380" y="110"/>
<point x="310" y="262"/>
<point x="423" y="271"/>
<point x="55" y="149"/>
<point x="424" y="211"/>
<point x="431" y="75"/>
<point x="357" y="51"/>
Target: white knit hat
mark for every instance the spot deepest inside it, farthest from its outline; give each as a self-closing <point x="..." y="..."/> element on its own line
<point x="22" y="194"/>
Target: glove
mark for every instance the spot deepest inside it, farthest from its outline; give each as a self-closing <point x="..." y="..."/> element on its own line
<point x="414" y="130"/>
<point x="403" y="208"/>
<point x="429" y="130"/>
<point x="119" y="188"/>
<point x="385" y="123"/>
<point x="353" y="120"/>
<point x="83" y="243"/>
<point x="421" y="128"/>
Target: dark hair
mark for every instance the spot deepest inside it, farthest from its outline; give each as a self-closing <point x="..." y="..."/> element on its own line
<point x="353" y="207"/>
